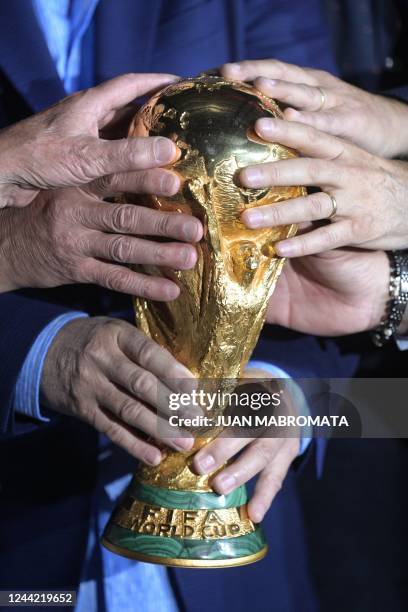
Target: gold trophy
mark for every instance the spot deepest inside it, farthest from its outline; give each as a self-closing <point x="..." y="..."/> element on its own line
<point x="169" y="514"/>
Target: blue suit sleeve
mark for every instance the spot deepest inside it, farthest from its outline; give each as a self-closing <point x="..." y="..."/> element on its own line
<point x="402" y="344"/>
<point x="27" y="390"/>
<point x="21" y="321"/>
<point x="292" y="31"/>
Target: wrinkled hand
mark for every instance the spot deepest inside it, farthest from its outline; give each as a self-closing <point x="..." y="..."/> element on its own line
<point x="376" y="123"/>
<point x="332" y="294"/>
<point x="107" y="373"/>
<point x="371" y="193"/>
<point x="62" y="147"/>
<point x="72" y="236"/>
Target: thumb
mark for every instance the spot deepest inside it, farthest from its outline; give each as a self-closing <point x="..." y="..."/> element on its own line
<point x="106" y="98"/>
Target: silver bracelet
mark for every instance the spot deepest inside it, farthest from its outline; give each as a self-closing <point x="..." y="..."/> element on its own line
<point x="398" y="300"/>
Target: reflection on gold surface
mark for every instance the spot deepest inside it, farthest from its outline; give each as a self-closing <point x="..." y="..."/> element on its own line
<point x="213" y="326"/>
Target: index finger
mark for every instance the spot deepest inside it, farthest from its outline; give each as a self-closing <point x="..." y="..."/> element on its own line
<point x="249" y="70"/>
<point x="298" y="95"/>
<point x="305" y="139"/>
<point x="289" y="172"/>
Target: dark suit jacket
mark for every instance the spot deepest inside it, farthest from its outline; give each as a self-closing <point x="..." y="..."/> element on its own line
<point x="376" y="54"/>
<point x="47" y="473"/>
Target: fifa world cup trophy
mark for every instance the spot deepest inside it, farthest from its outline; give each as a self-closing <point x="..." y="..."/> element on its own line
<point x="169" y="514"/>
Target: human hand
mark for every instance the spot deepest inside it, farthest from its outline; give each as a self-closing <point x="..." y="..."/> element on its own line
<point x="332" y="294"/>
<point x="267" y="457"/>
<point x="370" y="193"/>
<point x="377" y="123"/>
<point x="72" y="236"/>
<point x="108" y="373"/>
<point x="62" y="147"/>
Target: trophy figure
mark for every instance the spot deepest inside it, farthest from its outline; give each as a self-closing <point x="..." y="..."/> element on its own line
<point x="169" y="514"/>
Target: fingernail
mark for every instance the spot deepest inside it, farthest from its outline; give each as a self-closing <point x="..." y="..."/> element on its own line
<point x="253" y="218"/>
<point x="173" y="78"/>
<point x="172" y="291"/>
<point x="191" y="231"/>
<point x="265" y="126"/>
<point x="184" y="444"/>
<point x="257" y="514"/>
<point x="187" y="257"/>
<point x="164" y="150"/>
<point x="205" y="464"/>
<point x="291" y="113"/>
<point x="180" y="371"/>
<point x="153" y="456"/>
<point x="285" y="249"/>
<point x="252" y="177"/>
<point x="235" y="69"/>
<point x="265" y="84"/>
<point x="225" y="483"/>
<point x="170" y="184"/>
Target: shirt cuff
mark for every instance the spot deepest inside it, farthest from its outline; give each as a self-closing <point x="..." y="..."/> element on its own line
<point x="298" y="395"/>
<point x="402" y="344"/>
<point x="27" y="389"/>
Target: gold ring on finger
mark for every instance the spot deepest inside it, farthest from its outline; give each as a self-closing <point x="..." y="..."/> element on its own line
<point x="323" y="99"/>
<point x="334" y="206"/>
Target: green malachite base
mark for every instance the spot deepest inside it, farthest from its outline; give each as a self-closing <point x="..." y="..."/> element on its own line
<point x="185" y="500"/>
<point x="180" y="551"/>
<point x="186" y="553"/>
